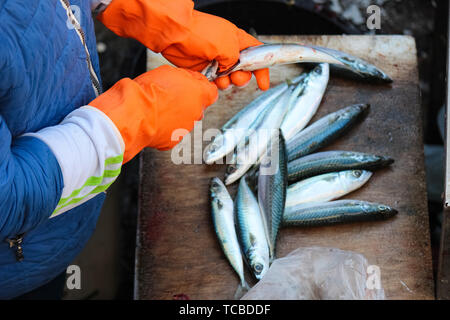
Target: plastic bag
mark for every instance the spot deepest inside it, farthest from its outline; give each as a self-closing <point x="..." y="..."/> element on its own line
<point x="317" y="273"/>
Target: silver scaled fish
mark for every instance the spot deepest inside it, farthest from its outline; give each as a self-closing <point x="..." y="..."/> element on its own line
<point x="222" y="210"/>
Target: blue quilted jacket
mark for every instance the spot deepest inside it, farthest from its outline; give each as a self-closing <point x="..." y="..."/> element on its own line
<point x="43" y="77"/>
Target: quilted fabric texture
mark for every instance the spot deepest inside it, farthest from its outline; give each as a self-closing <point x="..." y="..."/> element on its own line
<point x="43" y="77"/>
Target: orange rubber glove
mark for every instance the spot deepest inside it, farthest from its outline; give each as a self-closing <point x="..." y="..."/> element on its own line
<point x="149" y="108"/>
<point x="186" y="37"/>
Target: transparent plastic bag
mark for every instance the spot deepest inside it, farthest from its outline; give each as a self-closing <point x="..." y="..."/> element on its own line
<point x="317" y="273"/>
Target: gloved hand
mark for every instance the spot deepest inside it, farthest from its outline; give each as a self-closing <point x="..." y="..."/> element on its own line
<point x="149" y="108"/>
<point x="186" y="37"/>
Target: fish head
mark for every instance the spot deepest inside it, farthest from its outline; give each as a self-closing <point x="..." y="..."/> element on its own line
<point x="234" y="172"/>
<point x="216" y="150"/>
<point x="364" y="69"/>
<point x="373" y="72"/>
<point x="386" y="211"/>
<point x="223" y="143"/>
<point x="322" y="69"/>
<point x="220" y="198"/>
<point x="239" y="166"/>
<point x="355" y="178"/>
<point x="217" y="188"/>
<point x="259" y="267"/>
<point x="354" y="111"/>
<point x="372" y="161"/>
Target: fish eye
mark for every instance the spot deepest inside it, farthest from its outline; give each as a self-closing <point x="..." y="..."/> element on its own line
<point x="214" y="184"/>
<point x="383" y="208"/>
<point x="231" y="169"/>
<point x="258" y="268"/>
<point x="357" y="173"/>
<point x="212" y="148"/>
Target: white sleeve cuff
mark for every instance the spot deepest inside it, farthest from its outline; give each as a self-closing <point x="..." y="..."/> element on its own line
<point x="89" y="150"/>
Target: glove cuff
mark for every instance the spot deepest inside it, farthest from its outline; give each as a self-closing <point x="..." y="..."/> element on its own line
<point x="155" y="23"/>
<point x="133" y="113"/>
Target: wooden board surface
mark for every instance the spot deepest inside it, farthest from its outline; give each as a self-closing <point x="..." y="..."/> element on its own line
<point x="178" y="252"/>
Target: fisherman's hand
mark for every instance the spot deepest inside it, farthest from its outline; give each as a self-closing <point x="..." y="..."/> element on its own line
<point x="213" y="38"/>
<point x="149" y="110"/>
<point x="186" y="37"/>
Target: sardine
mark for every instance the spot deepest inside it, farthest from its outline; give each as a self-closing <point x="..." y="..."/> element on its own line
<point x="251" y="231"/>
<point x="324" y="131"/>
<point x="268" y="55"/>
<point x="307" y="101"/>
<point x="332" y="161"/>
<point x="222" y="210"/>
<point x="325" y="187"/>
<point x="327" y="213"/>
<point x="272" y="184"/>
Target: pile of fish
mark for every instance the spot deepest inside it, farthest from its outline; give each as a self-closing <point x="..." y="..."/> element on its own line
<point x="272" y="151"/>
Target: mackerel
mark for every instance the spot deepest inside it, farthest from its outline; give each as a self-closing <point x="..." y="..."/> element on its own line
<point x="324" y="131"/>
<point x="267" y="55"/>
<point x="222" y="210"/>
<point x="250" y="150"/>
<point x="272" y="186"/>
<point x="331" y="161"/>
<point x="251" y="230"/>
<point x="339" y="211"/>
<point x="307" y="99"/>
<point x="325" y="187"/>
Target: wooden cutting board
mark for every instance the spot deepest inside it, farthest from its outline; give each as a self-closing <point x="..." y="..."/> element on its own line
<point x="178" y="252"/>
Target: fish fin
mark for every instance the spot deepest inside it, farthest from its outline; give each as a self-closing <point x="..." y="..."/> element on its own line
<point x="241" y="290"/>
<point x="252" y="239"/>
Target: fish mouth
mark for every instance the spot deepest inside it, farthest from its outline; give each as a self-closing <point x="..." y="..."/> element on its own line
<point x="231" y="174"/>
<point x="212" y="154"/>
<point x="386" y="211"/>
<point x="363" y="107"/>
<point x="390" y="212"/>
<point x="385" y="78"/>
<point x="386" y="161"/>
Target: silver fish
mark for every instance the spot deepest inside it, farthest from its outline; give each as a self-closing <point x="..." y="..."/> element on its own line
<point x="332" y="161"/>
<point x="324" y="130"/>
<point x="325" y="187"/>
<point x="307" y="101"/>
<point x="249" y="151"/>
<point x="327" y="213"/>
<point x="272" y="185"/>
<point x="268" y="55"/>
<point x="251" y="230"/>
<point x="238" y="126"/>
<point x="222" y="210"/>
<point x="246" y="120"/>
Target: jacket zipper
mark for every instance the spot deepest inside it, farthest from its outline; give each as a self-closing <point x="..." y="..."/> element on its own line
<point x="94" y="79"/>
<point x="17" y="243"/>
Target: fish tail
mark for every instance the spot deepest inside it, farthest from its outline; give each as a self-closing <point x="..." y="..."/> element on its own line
<point x="241" y="290"/>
